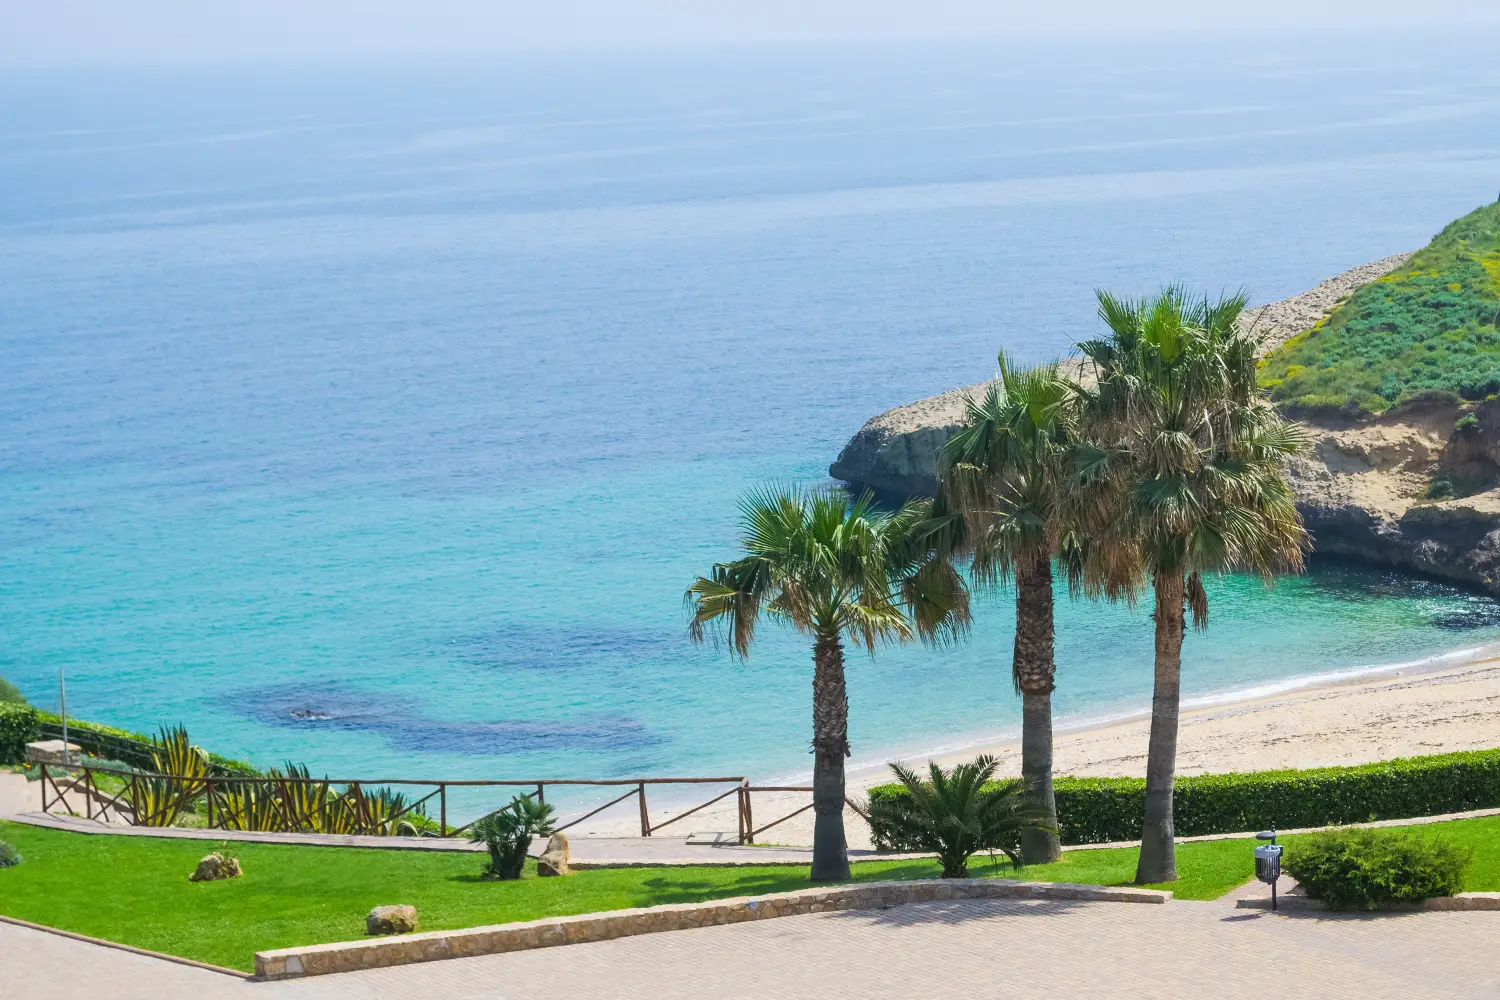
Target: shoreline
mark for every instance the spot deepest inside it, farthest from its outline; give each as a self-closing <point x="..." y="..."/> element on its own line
<point x="1261" y="694"/>
<point x="1438" y="704"/>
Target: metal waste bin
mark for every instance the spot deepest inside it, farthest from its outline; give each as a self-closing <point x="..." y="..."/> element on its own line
<point x="1268" y="863"/>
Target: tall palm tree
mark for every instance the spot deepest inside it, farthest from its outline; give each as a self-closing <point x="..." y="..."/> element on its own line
<point x="1194" y="452"/>
<point x="834" y="569"/>
<point x="1008" y="475"/>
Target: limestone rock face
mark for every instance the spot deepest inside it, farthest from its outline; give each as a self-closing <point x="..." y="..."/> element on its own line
<point x="216" y="866"/>
<point x="897" y="451"/>
<point x="400" y="919"/>
<point x="1364" y="492"/>
<point x="554" y="860"/>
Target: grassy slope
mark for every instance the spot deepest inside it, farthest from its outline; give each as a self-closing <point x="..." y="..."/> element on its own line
<point x="135" y="890"/>
<point x="1431" y="325"/>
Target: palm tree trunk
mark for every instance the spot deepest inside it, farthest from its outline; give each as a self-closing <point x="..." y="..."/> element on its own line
<point x="830" y="746"/>
<point x="1034" y="671"/>
<point x="1158" y="862"/>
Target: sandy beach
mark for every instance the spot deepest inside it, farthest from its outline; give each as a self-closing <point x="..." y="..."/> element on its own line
<point x="1401" y="713"/>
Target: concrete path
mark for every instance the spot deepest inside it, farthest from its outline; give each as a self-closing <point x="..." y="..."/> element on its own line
<point x="587" y="852"/>
<point x="937" y="951"/>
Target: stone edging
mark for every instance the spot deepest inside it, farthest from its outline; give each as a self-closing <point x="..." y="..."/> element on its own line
<point x="429" y="946"/>
<point x="1462" y="901"/>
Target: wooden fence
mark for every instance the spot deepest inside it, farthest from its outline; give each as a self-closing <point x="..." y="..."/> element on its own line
<point x="380" y="807"/>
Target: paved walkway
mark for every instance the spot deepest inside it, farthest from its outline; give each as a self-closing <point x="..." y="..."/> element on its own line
<point x="937" y="951"/>
<point x="586" y="851"/>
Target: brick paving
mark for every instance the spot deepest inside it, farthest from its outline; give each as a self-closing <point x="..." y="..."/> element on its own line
<point x="934" y="951"/>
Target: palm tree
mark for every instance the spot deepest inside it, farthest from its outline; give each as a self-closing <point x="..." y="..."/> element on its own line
<point x="1007" y="474"/>
<point x="1193" y="451"/>
<point x="834" y="569"/>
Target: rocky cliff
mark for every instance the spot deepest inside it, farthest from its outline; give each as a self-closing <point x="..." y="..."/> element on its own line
<point x="1417" y="487"/>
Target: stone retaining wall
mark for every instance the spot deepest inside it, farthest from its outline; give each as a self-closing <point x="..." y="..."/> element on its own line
<point x="349" y="956"/>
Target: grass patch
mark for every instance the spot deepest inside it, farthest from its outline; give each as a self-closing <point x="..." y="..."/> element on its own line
<point x="1428" y="328"/>
<point x="135" y="889"/>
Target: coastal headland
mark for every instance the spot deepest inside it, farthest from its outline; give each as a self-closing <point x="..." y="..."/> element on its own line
<point x="1376" y="486"/>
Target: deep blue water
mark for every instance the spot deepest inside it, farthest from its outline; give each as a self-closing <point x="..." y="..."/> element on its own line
<point x="378" y="416"/>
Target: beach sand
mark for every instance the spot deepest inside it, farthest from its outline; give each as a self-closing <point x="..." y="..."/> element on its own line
<point x="1373" y="717"/>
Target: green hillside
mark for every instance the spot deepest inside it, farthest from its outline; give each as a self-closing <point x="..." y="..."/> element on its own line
<point x="1429" y="327"/>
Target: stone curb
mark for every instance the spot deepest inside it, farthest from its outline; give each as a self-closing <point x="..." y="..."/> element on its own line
<point x="1463" y="901"/>
<point x="429" y="946"/>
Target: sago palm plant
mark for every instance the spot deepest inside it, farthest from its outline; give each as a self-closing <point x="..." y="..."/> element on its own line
<point x="507" y="833"/>
<point x="956" y="814"/>
<point x="1189" y="455"/>
<point x="835" y="569"/>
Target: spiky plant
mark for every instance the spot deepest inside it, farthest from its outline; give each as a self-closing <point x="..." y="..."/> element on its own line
<point x="835" y="569"/>
<point x="248" y="805"/>
<point x="181" y="770"/>
<point x="958" y="813"/>
<point x="304" y="801"/>
<point x="1190" y="454"/>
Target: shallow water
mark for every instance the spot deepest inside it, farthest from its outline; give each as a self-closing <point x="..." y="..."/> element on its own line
<point x="379" y="419"/>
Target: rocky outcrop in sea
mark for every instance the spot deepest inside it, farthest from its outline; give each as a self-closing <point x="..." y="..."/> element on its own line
<point x="1366" y="491"/>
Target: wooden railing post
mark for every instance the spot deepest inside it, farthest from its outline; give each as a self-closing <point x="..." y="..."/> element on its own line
<point x="645" y="820"/>
<point x="210" y="793"/>
<point x="740" y="832"/>
<point x="88" y="800"/>
<point x="749" y="817"/>
<point x="541" y="793"/>
<point x="443" y="809"/>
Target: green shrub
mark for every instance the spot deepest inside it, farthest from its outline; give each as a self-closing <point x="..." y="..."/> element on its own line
<point x="9" y="856"/>
<point x="18" y="727"/>
<point x="1365" y="869"/>
<point x="10" y="694"/>
<point x="1101" y="810"/>
<point x="133" y="748"/>
<point x="1427" y="332"/>
<point x="956" y="814"/>
<point x="506" y="834"/>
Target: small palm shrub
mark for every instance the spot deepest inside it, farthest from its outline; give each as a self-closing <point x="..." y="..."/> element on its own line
<point x="1364" y="869"/>
<point x="956" y="814"/>
<point x="9" y="856"/>
<point x="507" y="833"/>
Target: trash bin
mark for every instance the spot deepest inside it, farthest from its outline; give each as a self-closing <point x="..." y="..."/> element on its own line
<point x="1268" y="863"/>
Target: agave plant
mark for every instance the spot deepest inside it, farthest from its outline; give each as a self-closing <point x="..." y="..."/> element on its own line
<point x="304" y="801"/>
<point x="249" y="805"/>
<point x="155" y="801"/>
<point x="182" y="769"/>
<point x="955" y="814"/>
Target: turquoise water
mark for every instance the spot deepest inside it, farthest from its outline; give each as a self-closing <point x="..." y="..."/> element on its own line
<point x="379" y="417"/>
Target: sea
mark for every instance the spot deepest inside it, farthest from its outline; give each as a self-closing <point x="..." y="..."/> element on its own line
<point x="377" y="415"/>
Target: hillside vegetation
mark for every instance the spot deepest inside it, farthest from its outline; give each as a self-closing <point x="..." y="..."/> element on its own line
<point x="1429" y="327"/>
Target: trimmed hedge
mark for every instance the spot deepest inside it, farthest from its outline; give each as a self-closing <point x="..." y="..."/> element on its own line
<point x="18" y="727"/>
<point x="1101" y="810"/>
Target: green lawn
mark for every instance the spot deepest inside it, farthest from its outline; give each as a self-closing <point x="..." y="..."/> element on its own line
<point x="135" y="889"/>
